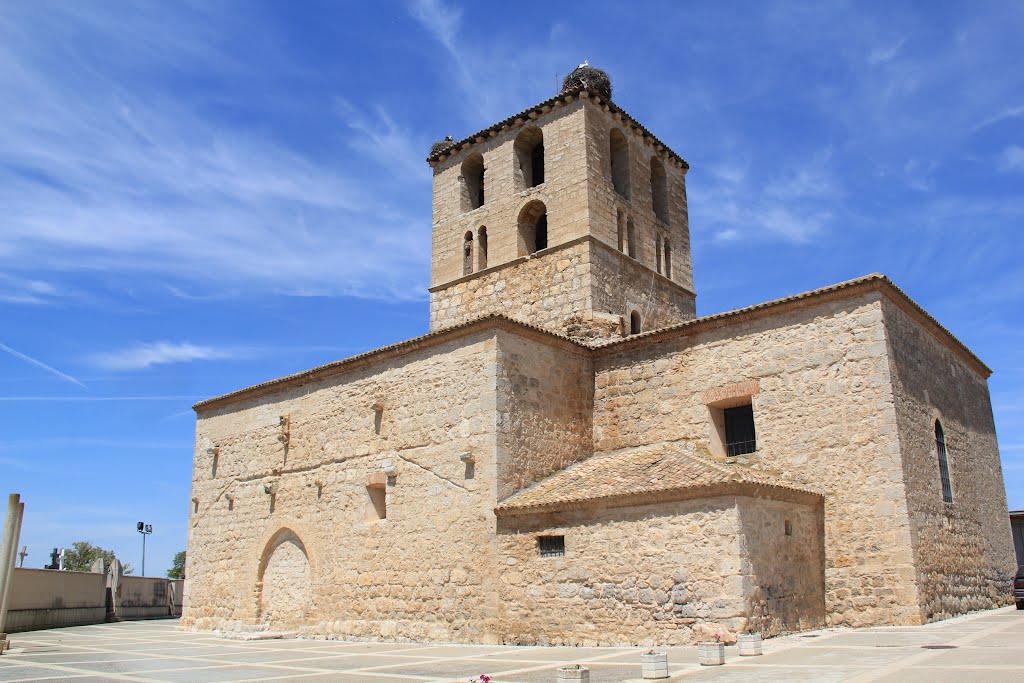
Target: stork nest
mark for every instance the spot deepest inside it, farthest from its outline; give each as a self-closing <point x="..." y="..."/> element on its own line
<point x="441" y="145"/>
<point x="590" y="79"/>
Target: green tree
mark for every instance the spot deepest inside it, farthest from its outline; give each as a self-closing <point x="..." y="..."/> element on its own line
<point x="178" y="570"/>
<point x="80" y="556"/>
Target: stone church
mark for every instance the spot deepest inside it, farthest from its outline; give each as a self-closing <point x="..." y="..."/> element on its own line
<point x="571" y="456"/>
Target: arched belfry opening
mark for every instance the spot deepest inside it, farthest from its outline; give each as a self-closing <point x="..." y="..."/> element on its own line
<point x="529" y="158"/>
<point x="467" y="253"/>
<point x="533" y="228"/>
<point x="619" y="153"/>
<point x="473" y="182"/>
<point x="659" y="189"/>
<point x="284" y="583"/>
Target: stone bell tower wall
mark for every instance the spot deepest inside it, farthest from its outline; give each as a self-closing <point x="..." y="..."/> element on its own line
<point x="563" y="193"/>
<point x="584" y="289"/>
<point x="612" y="209"/>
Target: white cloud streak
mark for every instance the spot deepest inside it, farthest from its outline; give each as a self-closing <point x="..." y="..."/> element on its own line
<point x="1012" y="158"/>
<point x="41" y="365"/>
<point x="103" y="170"/>
<point x="144" y="356"/>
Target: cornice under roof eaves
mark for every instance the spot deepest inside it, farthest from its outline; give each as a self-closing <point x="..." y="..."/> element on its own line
<point x="537" y="110"/>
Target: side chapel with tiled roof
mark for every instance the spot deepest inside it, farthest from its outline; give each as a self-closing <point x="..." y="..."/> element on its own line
<point x="571" y="456"/>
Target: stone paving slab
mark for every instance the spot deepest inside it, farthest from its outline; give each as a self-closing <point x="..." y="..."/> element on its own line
<point x="985" y="647"/>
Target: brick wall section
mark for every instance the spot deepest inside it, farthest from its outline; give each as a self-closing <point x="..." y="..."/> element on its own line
<point x="824" y="415"/>
<point x="963" y="551"/>
<point x="544" y="414"/>
<point x="642" y="575"/>
<point x="402" y="577"/>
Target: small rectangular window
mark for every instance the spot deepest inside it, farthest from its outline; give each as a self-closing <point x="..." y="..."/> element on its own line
<point x="788" y="527"/>
<point x="551" y="546"/>
<point x="739" y="430"/>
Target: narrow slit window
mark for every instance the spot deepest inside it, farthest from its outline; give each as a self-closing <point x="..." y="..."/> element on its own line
<point x="635" y="325"/>
<point x="551" y="546"/>
<point x="620" y="226"/>
<point x="481" y="248"/>
<point x="630" y="239"/>
<point x="668" y="259"/>
<point x="940" y="450"/>
<point x="467" y="254"/>
<point x="659" y="190"/>
<point x="739" y="430"/>
<point x="378" y="503"/>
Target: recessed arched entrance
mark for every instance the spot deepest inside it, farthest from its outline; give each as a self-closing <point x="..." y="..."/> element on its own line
<point x="284" y="584"/>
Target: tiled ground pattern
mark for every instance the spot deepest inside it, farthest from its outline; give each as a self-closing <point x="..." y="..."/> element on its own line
<point x="985" y="647"/>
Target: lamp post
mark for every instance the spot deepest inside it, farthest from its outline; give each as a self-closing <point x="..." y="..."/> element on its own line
<point x="145" y="530"/>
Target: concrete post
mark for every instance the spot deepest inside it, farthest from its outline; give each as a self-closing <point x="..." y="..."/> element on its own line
<point x="8" y="548"/>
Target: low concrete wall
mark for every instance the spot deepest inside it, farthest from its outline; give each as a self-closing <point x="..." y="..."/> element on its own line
<point x="147" y="597"/>
<point x="43" y="598"/>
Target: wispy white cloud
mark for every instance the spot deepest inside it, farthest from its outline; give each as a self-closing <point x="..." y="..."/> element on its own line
<point x="142" y="356"/>
<point x="145" y="355"/>
<point x="885" y="53"/>
<point x="495" y="75"/>
<point x="100" y="170"/>
<point x="1008" y="113"/>
<point x="99" y="399"/>
<point x="1012" y="158"/>
<point x="41" y="365"/>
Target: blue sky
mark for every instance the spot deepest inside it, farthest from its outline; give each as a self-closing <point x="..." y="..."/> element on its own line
<point x="200" y="197"/>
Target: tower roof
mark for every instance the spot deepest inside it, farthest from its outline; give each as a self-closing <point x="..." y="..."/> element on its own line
<point x="571" y="91"/>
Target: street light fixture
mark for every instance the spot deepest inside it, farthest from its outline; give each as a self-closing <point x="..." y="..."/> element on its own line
<point x="145" y="530"/>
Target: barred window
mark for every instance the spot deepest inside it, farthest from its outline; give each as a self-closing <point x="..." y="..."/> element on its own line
<point x="551" y="546"/>
<point x="940" y="449"/>
<point x="739" y="430"/>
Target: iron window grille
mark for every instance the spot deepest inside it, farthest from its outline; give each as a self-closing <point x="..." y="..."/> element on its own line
<point x="551" y="546"/>
<point x="740" y="437"/>
<point x="940" y="449"/>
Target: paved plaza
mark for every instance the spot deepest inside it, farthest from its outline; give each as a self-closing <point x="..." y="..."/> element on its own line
<point x="984" y="647"/>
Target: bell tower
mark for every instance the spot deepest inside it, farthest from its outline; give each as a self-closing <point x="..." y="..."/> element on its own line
<point x="569" y="215"/>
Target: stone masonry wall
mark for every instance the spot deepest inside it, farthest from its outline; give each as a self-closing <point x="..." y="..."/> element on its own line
<point x="963" y="551"/>
<point x="604" y="202"/>
<point x="624" y="573"/>
<point x="545" y="289"/>
<point x="545" y="409"/>
<point x="620" y="286"/>
<point x="669" y="573"/>
<point x="564" y="193"/>
<point x="422" y="573"/>
<point x="824" y="415"/>
<point x="560" y="287"/>
<point x="785" y="572"/>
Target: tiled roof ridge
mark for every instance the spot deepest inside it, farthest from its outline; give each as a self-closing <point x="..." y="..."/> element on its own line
<point x="566" y="97"/>
<point x="337" y="366"/>
<point x="728" y="475"/>
<point x="874" y="281"/>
